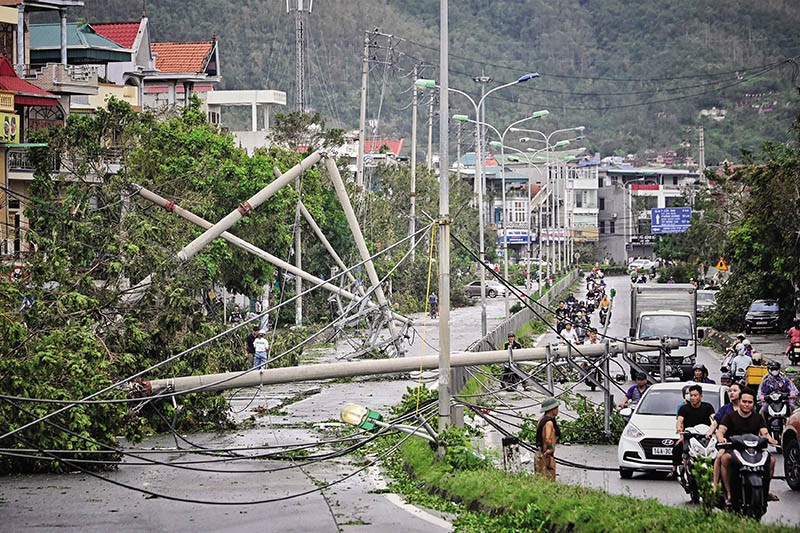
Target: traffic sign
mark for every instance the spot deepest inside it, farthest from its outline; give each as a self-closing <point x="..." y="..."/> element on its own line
<point x="670" y="219"/>
<point x="722" y="265"/>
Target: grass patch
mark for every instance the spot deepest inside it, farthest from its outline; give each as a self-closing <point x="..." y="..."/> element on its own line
<point x="539" y="504"/>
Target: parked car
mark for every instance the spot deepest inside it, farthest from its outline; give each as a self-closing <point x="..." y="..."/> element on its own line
<point x="706" y="301"/>
<point x="647" y="440"/>
<point x="791" y="451"/>
<point x="493" y="288"/>
<point x="641" y="264"/>
<point x="763" y="315"/>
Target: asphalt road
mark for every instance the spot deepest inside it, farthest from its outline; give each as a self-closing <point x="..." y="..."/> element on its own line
<point x="309" y="412"/>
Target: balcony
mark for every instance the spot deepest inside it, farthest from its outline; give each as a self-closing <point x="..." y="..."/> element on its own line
<point x="64" y="79"/>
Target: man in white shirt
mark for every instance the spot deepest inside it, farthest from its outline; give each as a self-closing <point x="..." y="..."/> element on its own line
<point x="261" y="345"/>
<point x="568" y="334"/>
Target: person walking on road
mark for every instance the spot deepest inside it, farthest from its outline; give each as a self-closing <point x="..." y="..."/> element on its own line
<point x="547" y="435"/>
<point x="261" y="345"/>
<point x="250" y="348"/>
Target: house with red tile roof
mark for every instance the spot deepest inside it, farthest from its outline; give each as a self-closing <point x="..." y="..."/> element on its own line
<point x="182" y="69"/>
<point x="133" y="36"/>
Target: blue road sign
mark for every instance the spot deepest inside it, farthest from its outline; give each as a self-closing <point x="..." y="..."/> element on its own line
<point x="670" y="219"/>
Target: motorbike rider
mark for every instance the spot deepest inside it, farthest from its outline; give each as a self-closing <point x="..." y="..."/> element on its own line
<point x="739" y="364"/>
<point x="509" y="377"/>
<point x="634" y="393"/>
<point x="689" y="415"/>
<point x="740" y="422"/>
<point x="793" y="334"/>
<point x="775" y="381"/>
<point x="700" y="374"/>
<point x="726" y="380"/>
<point x="568" y="334"/>
<point x="731" y="352"/>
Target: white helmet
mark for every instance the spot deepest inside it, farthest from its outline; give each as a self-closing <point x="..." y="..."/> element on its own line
<point x="262" y="332"/>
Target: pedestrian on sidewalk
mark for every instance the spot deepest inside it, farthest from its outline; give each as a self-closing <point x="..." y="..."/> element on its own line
<point x="547" y="435"/>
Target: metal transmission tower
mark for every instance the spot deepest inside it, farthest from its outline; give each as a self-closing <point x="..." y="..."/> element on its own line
<point x="300" y="7"/>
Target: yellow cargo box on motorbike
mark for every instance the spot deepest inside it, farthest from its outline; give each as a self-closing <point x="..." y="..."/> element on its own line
<point x="754" y="374"/>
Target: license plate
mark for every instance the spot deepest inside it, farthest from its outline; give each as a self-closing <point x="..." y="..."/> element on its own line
<point x="662" y="451"/>
<point x="761" y="321"/>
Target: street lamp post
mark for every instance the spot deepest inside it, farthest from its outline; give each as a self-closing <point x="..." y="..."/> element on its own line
<point x="431" y="84"/>
<point x="504" y="215"/>
<point x="529" y="216"/>
<point x="554" y="248"/>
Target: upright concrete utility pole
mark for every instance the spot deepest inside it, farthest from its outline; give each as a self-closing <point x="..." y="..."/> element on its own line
<point x="444" y="228"/>
<point x="412" y="223"/>
<point x="702" y="157"/>
<point x="480" y="187"/>
<point x="429" y="157"/>
<point x="362" y="117"/>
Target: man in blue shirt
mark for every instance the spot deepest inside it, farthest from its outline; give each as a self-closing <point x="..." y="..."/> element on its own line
<point x="635" y="392"/>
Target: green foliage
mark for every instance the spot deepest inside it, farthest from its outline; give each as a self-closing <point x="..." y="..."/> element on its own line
<point x="586" y="428"/>
<point x="413" y="399"/>
<point x="458" y="449"/>
<point x="679" y="271"/>
<point x="531" y="518"/>
<point x="703" y="472"/>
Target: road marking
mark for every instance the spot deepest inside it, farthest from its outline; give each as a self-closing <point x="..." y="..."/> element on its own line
<point x="395" y="499"/>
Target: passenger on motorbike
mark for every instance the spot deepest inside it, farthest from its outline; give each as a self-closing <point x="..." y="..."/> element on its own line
<point x="741" y="422"/>
<point x="775" y="381"/>
<point x="726" y="380"/>
<point x="689" y="415"/>
<point x="734" y="393"/>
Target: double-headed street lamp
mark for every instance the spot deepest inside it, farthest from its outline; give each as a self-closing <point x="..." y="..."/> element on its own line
<point x="534" y="115"/>
<point x="546" y="138"/>
<point x="529" y="159"/>
<point x="431" y="84"/>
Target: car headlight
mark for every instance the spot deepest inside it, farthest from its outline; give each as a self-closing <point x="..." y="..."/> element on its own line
<point x="644" y="359"/>
<point x="687" y="361"/>
<point x="632" y="432"/>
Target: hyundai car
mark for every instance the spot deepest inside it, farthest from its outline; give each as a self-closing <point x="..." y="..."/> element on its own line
<point x="647" y="440"/>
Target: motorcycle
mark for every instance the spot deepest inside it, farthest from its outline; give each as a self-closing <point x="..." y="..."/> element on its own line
<point x="794" y="353"/>
<point x="749" y="485"/>
<point x="777" y="412"/>
<point x="603" y="315"/>
<point x="695" y="446"/>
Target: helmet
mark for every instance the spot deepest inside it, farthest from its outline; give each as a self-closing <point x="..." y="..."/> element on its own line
<point x="774" y="365"/>
<point x="262" y="332"/>
<point x="746" y="342"/>
<point x="699" y="366"/>
<point x="727" y="376"/>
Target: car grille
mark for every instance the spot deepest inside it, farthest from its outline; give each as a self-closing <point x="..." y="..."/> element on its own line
<point x="649" y="444"/>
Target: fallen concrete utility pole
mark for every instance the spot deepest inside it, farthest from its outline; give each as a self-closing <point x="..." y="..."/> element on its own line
<point x="258" y="252"/>
<point x="273" y="376"/>
<point x="246" y="207"/>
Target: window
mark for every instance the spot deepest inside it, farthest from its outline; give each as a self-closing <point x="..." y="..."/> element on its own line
<point x="611" y="226"/>
<point x="675" y="180"/>
<point x="602" y="226"/>
<point x="601" y="202"/>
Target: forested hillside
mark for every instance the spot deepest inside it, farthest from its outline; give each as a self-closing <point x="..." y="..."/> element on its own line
<point x="636" y="74"/>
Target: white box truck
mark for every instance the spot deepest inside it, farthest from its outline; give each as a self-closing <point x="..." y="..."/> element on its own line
<point x="661" y="310"/>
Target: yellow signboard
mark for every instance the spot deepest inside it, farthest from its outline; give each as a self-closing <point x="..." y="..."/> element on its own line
<point x="10" y="131"/>
<point x="721" y="265"/>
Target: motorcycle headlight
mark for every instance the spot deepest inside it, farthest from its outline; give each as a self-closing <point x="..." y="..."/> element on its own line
<point x="632" y="432"/>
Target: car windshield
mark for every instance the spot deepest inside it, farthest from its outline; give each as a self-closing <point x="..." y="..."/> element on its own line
<point x="672" y="326"/>
<point x="667" y="402"/>
<point x="765" y="306"/>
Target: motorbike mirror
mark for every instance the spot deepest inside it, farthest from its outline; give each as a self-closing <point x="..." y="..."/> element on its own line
<point x="626" y="412"/>
<point x="701" y="333"/>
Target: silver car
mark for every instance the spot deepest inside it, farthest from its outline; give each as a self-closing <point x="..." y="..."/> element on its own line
<point x="493" y="289"/>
